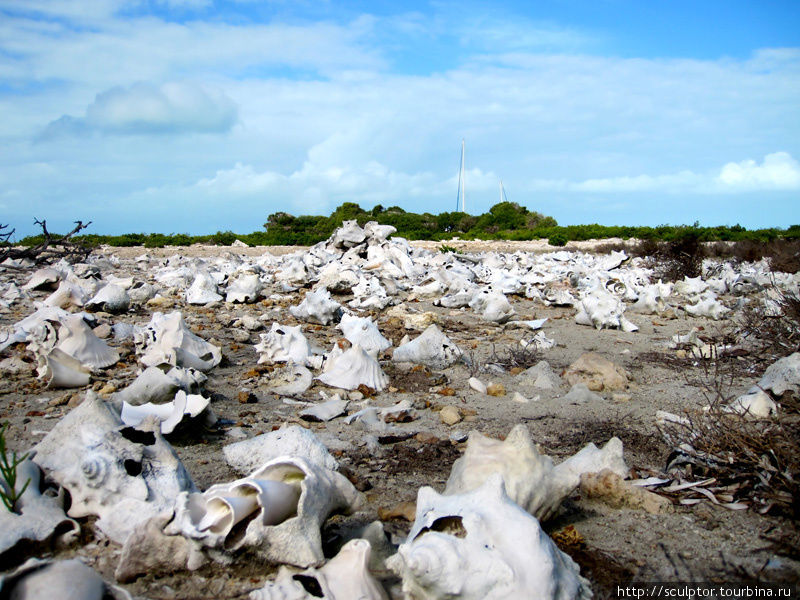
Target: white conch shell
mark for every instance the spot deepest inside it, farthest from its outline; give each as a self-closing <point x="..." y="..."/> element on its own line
<point x="203" y="290"/>
<point x="756" y="403"/>
<point x="369" y="294"/>
<point x="530" y="478"/>
<point x="652" y="299"/>
<point x="244" y="289"/>
<point x="317" y="307"/>
<point x="59" y="370"/>
<point x="365" y="333"/>
<point x="169" y="414"/>
<point x="707" y="307"/>
<point x="492" y="305"/>
<point x="347" y="236"/>
<point x="77" y="339"/>
<point x="344" y="577"/>
<point x="337" y="279"/>
<point x="601" y="310"/>
<point x="167" y="340"/>
<point x="690" y="286"/>
<point x="286" y="530"/>
<point x="111" y="298"/>
<point x="70" y="579"/>
<point x="289" y="440"/>
<point x="482" y="546"/>
<point x="107" y="472"/>
<point x="68" y="292"/>
<point x="352" y="368"/>
<point x="44" y="277"/>
<point x="154" y="385"/>
<point x="284" y="344"/>
<point x="782" y="376"/>
<point x="36" y="516"/>
<point x="291" y="380"/>
<point x="140" y="292"/>
<point x="432" y="349"/>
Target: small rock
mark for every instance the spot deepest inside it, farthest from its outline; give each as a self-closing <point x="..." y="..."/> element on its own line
<point x="355" y="396"/>
<point x="620" y="397"/>
<point x="75" y="400"/>
<point x="496" y="389"/>
<point x="246" y="397"/>
<point x="424" y="437"/>
<point x="108" y="388"/>
<point x="250" y="323"/>
<point x="60" y="401"/>
<point x="236" y="433"/>
<point x="240" y="335"/>
<point x="459" y="436"/>
<point x="597" y="373"/>
<point x="477" y="385"/>
<point x="680" y="353"/>
<point x="102" y="331"/>
<point x="450" y="415"/>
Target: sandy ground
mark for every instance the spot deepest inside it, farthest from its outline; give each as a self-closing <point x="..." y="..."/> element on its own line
<point x="613" y="546"/>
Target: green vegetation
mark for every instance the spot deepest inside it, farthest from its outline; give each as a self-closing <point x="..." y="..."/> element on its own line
<point x="8" y="473"/>
<point x="504" y="221"/>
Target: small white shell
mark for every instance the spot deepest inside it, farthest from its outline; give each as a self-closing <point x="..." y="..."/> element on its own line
<point x="111" y="298"/>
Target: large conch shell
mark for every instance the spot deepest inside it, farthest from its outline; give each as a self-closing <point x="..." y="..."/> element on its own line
<point x="155" y="385"/>
<point x="77" y="339"/>
<point x="317" y="307"/>
<point x="290" y="440"/>
<point x="601" y="310"/>
<point x="530" y="478"/>
<point x="70" y="579"/>
<point x="353" y="368"/>
<point x="782" y="376"/>
<point x="167" y="340"/>
<point x="122" y="475"/>
<point x="480" y="545"/>
<point x="203" y="290"/>
<point x="492" y="306"/>
<point x="365" y="333"/>
<point x="284" y="344"/>
<point x="432" y="349"/>
<point x="111" y="298"/>
<point x="344" y="577"/>
<point x="59" y="370"/>
<point x="244" y="289"/>
<point x="280" y="509"/>
<point x="36" y="516"/>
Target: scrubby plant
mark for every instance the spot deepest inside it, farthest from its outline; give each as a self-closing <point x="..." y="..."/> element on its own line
<point x="557" y="239"/>
<point x="8" y="472"/>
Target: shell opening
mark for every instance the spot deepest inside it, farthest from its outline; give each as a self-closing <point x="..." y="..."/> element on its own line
<point x="451" y="525"/>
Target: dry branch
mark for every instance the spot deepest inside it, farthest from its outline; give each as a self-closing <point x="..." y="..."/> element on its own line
<point x="50" y="249"/>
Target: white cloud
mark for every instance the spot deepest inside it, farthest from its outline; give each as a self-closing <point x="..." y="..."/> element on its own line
<point x="778" y="171"/>
<point x="144" y="108"/>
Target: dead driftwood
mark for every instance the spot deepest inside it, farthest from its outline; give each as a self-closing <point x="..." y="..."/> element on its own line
<point x="50" y="249"/>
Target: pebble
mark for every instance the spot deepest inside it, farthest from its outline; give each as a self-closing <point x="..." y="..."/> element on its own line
<point x="477" y="385"/>
<point x="75" y="400"/>
<point x="618" y="397"/>
<point x="108" y="388"/>
<point x="236" y="433"/>
<point x="459" y="436"/>
<point x="681" y="353"/>
<point x="102" y="331"/>
<point x="517" y="397"/>
<point x="240" y="335"/>
<point x="450" y="415"/>
<point x="355" y="396"/>
<point x="496" y="389"/>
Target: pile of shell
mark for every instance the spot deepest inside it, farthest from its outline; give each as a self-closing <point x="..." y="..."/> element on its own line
<point x="113" y="459"/>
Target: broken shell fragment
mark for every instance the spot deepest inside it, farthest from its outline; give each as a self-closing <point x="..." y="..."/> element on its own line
<point x="77" y="340"/>
<point x="169" y="414"/>
<point x="72" y="579"/>
<point x="290" y="440"/>
<point x="166" y="340"/>
<point x="59" y="370"/>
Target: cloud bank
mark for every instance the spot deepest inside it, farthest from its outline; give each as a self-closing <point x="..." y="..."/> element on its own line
<point x="172" y="108"/>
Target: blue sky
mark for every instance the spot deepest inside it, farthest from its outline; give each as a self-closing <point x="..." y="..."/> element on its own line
<point x="196" y="116"/>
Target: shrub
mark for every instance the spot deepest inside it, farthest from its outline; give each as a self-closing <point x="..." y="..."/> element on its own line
<point x="557" y="239"/>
